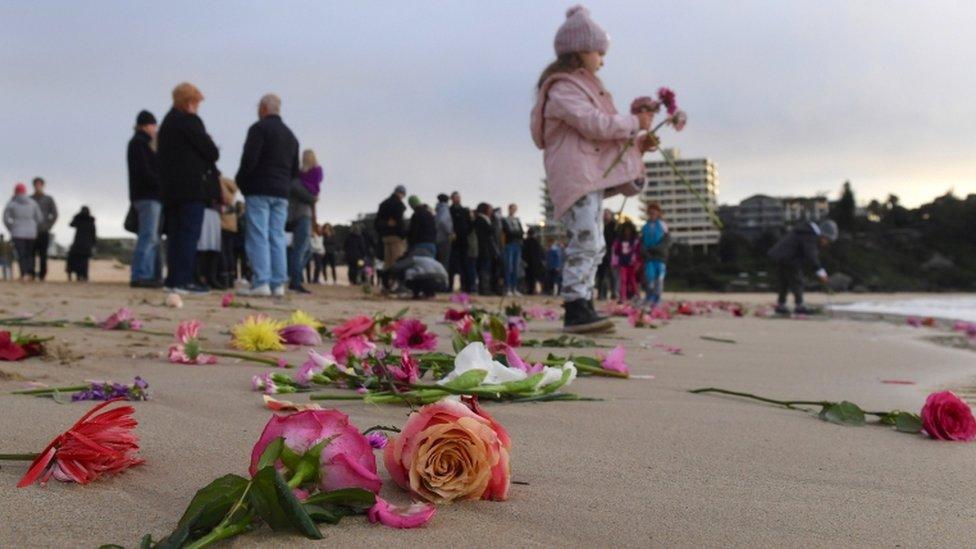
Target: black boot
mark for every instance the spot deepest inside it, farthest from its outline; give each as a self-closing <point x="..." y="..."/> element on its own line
<point x="213" y="272"/>
<point x="580" y="319"/>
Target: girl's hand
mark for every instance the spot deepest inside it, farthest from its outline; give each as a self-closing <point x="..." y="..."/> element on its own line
<point x="649" y="143"/>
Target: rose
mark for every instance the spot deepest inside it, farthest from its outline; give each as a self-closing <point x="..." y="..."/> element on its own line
<point x="300" y="334"/>
<point x="451" y="451"/>
<point x="946" y="417"/>
<point x="347" y="461"/>
<point x="356" y="346"/>
<point x="360" y="325"/>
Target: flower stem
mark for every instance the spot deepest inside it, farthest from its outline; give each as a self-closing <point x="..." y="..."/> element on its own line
<point x="18" y="457"/>
<point x="332" y="396"/>
<point x="245" y="356"/>
<point x="711" y="212"/>
<point x="786" y="403"/>
<point x="46" y="390"/>
<point x="221" y="532"/>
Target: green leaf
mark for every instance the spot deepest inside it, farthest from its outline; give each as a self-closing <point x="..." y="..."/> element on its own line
<point x="586" y="361"/>
<point x="273" y="501"/>
<point x="289" y="458"/>
<point x="906" y="422"/>
<point x="271" y="453"/>
<point x="399" y="314"/>
<point x="356" y="498"/>
<point x="211" y="503"/>
<point x="331" y="515"/>
<point x="497" y="328"/>
<point x="843" y="413"/>
<point x="467" y="380"/>
<point x="146" y="542"/>
<point x="457" y="342"/>
<point x="526" y="385"/>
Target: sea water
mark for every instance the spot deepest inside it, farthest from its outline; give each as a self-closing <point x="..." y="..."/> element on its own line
<point x="950" y="308"/>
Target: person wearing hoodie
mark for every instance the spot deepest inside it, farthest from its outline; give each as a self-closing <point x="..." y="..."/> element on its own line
<point x="83" y="245"/>
<point x="22" y="217"/>
<point x="422" y="232"/>
<point x="445" y="229"/>
<point x="798" y="248"/>
<point x="575" y="123"/>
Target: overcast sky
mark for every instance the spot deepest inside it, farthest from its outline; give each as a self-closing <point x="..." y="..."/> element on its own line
<point x="786" y="96"/>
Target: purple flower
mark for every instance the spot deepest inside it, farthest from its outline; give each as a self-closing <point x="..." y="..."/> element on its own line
<point x="377" y="440"/>
<point x="300" y="334"/>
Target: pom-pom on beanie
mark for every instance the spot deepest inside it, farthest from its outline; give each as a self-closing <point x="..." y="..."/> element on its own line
<point x="579" y="33"/>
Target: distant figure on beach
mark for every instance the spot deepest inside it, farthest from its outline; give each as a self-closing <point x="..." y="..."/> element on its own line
<point x="22" y="217"/>
<point x="460" y="264"/>
<point x="534" y="257"/>
<point x="799" y="248"/>
<point x="625" y="258"/>
<point x="145" y="195"/>
<point x="421" y="273"/>
<point x="49" y="211"/>
<point x="514" y="235"/>
<point x="83" y="245"/>
<point x="576" y="124"/>
<point x="487" y="250"/>
<point x="392" y="229"/>
<point x="186" y="155"/>
<point x="354" y="248"/>
<point x="227" y="265"/>
<point x="606" y="278"/>
<point x="422" y="232"/>
<point x="554" y="267"/>
<point x="269" y="165"/>
<point x="6" y="257"/>
<point x="655" y="244"/>
<point x="329" y="253"/>
<point x="302" y="197"/>
<point x="445" y="229"/>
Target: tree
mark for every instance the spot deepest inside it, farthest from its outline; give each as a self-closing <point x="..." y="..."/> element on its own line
<point x="843" y="212"/>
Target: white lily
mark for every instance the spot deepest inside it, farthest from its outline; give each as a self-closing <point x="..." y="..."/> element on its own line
<point x="552" y="375"/>
<point x="476" y="357"/>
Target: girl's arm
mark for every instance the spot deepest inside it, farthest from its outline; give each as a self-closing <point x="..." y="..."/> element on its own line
<point x="570" y="104"/>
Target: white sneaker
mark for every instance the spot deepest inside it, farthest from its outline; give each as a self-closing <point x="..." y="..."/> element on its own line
<point x="261" y="291"/>
<point x="509" y="293"/>
<point x="278" y="291"/>
<point x="517" y="293"/>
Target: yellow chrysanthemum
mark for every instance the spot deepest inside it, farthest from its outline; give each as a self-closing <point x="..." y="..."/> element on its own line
<point x="301" y="318"/>
<point x="257" y="333"/>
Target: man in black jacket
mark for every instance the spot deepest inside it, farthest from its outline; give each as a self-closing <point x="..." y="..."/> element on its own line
<point x="459" y="263"/>
<point x="392" y="229"/>
<point x="187" y="157"/>
<point x="799" y="246"/>
<point x="269" y="163"/>
<point x="146" y="198"/>
<point x="423" y="227"/>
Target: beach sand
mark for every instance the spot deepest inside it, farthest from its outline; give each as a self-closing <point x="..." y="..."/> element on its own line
<point x="650" y="465"/>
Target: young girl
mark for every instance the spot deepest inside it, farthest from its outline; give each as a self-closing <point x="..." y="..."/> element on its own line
<point x="625" y="258"/>
<point x="655" y="240"/>
<point x="575" y="123"/>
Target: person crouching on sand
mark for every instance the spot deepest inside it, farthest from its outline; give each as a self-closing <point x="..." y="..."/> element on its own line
<point x="575" y="123"/>
<point x="800" y="246"/>
<point x="655" y="241"/>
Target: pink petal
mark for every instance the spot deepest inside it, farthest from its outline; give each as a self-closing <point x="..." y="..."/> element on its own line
<point x="414" y="516"/>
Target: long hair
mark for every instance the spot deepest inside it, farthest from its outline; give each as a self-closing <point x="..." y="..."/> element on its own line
<point x="567" y="62"/>
<point x="308" y="160"/>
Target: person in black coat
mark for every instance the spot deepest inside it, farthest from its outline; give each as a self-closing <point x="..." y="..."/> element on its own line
<point x="145" y="195"/>
<point x="269" y="164"/>
<point x="354" y="248"/>
<point x="798" y="247"/>
<point x="186" y="156"/>
<point x="485" y="233"/>
<point x="604" y="273"/>
<point x="423" y="227"/>
<point x="459" y="264"/>
<point x="83" y="245"/>
<point x="392" y="229"/>
<point x="534" y="257"/>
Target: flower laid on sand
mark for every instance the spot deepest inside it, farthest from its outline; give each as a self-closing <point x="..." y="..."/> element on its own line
<point x="123" y="319"/>
<point x="257" y="333"/>
<point x="186" y="350"/>
<point x="615" y="360"/>
<point x="19" y="347"/>
<point x="407" y="371"/>
<point x="412" y="334"/>
<point x="944" y="417"/>
<point x="355" y="346"/>
<point x="301" y="318"/>
<point x="227" y="300"/>
<point x="300" y="334"/>
<point x="99" y="443"/>
<point x="174" y="301"/>
<point x="451" y="451"/>
<point x="377" y="440"/>
<point x="412" y="516"/>
<point x="357" y="326"/>
<point x="538" y="312"/>
<point x="461" y="299"/>
<point x="108" y="390"/>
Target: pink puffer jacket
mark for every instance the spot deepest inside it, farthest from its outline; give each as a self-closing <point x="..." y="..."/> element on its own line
<point x="575" y="123"/>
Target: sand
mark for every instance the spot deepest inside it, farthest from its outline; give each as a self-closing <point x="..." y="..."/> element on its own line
<point x="650" y="465"/>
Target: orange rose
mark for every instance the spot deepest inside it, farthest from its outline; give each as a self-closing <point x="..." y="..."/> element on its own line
<point x="450" y="450"/>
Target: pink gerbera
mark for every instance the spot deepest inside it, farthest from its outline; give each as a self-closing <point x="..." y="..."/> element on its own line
<point x="412" y="334"/>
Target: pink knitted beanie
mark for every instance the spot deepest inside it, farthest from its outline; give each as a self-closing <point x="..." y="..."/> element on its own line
<point x="579" y="33"/>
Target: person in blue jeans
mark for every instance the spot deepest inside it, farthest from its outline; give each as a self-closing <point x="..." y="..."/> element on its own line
<point x="655" y="242"/>
<point x="187" y="157"/>
<point x="554" y="268"/>
<point x="514" y="235"/>
<point x="269" y="164"/>
<point x="301" y="205"/>
<point x="145" y="196"/>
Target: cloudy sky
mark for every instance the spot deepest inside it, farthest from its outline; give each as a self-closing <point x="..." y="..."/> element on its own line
<point x="787" y="97"/>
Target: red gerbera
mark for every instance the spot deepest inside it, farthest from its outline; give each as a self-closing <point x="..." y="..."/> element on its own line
<point x="97" y="444"/>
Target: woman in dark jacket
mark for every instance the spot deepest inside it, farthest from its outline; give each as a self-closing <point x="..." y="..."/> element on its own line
<point x="356" y="252"/>
<point x="534" y="257"/>
<point x="83" y="246"/>
<point x="186" y="155"/>
<point x="487" y="249"/>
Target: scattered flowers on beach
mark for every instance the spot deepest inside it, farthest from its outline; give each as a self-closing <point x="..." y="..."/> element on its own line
<point x="227" y="300"/>
<point x="99" y="443"/>
<point x="108" y="390"/>
<point x="357" y="326"/>
<point x="258" y="333"/>
<point x="123" y="319"/>
<point x="615" y="360"/>
<point x="301" y="318"/>
<point x="19" y="347"/>
<point x="538" y="312"/>
<point x="355" y="346"/>
<point x="451" y="451"/>
<point x="186" y="350"/>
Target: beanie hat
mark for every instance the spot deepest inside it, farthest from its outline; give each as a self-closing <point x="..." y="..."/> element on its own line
<point x="400" y="189"/>
<point x="20" y="188"/>
<point x="145" y="118"/>
<point x="828" y="229"/>
<point x="579" y="33"/>
<point x="414" y="201"/>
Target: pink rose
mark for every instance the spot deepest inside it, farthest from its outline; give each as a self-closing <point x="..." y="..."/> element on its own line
<point x="452" y="315"/>
<point x="357" y="326"/>
<point x="946" y="417"/>
<point x="346" y="462"/>
<point x="227" y="300"/>
<point x="450" y="451"/>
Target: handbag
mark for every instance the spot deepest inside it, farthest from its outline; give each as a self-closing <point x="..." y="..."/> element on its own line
<point x="131" y="223"/>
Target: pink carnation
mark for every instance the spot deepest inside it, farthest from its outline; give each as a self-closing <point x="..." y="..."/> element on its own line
<point x="668" y="98"/>
<point x="615" y="360"/>
<point x="123" y="319"/>
<point x="407" y="371"/>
